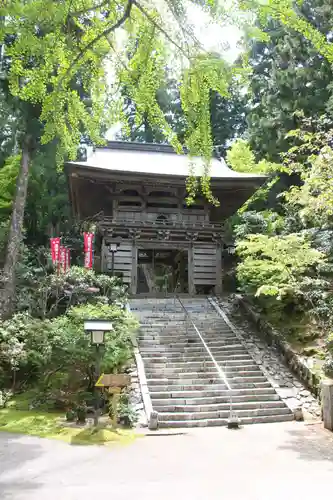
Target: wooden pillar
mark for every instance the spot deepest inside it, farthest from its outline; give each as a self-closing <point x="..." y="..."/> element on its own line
<point x="191" y="286"/>
<point x="218" y="286"/>
<point x="134" y="275"/>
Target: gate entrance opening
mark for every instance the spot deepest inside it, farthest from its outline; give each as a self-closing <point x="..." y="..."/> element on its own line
<point x="162" y="271"/>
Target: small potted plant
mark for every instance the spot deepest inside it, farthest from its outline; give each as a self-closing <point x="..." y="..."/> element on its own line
<point x="70" y="415"/>
<point x="81" y="414"/>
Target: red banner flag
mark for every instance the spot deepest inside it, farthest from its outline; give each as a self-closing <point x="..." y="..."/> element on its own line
<point x="88" y="249"/>
<point x="55" y="251"/>
<point x="63" y="259"/>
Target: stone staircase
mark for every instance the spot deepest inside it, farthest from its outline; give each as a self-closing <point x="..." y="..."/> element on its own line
<point x="184" y="385"/>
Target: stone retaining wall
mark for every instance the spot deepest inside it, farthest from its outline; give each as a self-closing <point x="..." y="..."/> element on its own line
<point x="275" y="338"/>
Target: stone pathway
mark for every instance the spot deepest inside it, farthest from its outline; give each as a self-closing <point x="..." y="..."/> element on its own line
<point x="258" y="462"/>
<point x="286" y="384"/>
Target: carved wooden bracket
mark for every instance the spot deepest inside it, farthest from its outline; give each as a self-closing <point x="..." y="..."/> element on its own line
<point x="163" y="235"/>
<point x="134" y="234"/>
<point x="217" y="238"/>
<point x="191" y="236"/>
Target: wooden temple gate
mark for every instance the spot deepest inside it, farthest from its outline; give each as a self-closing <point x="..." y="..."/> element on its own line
<point x="136" y="195"/>
<point x="121" y="257"/>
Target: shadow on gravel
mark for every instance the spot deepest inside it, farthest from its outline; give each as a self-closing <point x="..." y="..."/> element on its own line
<point x="311" y="443"/>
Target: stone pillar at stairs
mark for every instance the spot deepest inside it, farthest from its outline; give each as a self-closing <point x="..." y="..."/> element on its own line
<point x="327" y="403"/>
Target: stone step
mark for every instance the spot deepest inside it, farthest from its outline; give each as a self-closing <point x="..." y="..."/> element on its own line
<point x="179" y="335"/>
<point x="204" y="386"/>
<point x="147" y="322"/>
<point x="217" y="407"/>
<point x="165" y="351"/>
<point x="179" y="357"/>
<point x="224" y="421"/>
<point x="257" y="412"/>
<point x="194" y="348"/>
<point x="174" y="374"/>
<point x="181" y="327"/>
<point x="198" y="379"/>
<point x="223" y="358"/>
<point x="157" y="402"/>
<point x="212" y="392"/>
<point x="163" y="356"/>
<point x="189" y="342"/>
<point x="184" y="385"/>
<point x="174" y="357"/>
<point x="199" y="365"/>
<point x="164" y="364"/>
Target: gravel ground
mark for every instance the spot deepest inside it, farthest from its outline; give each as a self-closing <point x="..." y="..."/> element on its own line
<point x="258" y="462"/>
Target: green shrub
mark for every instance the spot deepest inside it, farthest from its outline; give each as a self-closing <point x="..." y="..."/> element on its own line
<point x="56" y="355"/>
<point x="275" y="265"/>
<point x="281" y="274"/>
<point x="4" y="398"/>
<point x="45" y="294"/>
<point x="126" y="415"/>
<point x="25" y="349"/>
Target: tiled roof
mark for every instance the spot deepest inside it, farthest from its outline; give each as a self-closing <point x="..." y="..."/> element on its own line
<point x="154" y="159"/>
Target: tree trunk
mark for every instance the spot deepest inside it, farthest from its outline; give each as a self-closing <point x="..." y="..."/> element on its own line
<point x="15" y="233"/>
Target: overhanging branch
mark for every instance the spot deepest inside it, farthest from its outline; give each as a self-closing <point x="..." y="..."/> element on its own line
<point x="159" y="27"/>
<point x="101" y="35"/>
<point x="79" y="13"/>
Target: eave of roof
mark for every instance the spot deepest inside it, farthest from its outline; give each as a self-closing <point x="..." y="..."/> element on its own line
<point x="162" y="161"/>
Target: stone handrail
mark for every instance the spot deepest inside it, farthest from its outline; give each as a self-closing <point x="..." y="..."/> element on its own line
<point x="151" y="415"/>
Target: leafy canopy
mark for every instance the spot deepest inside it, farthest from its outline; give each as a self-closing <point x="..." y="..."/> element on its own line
<point x="71" y="58"/>
<point x="273" y="265"/>
<point x="314" y="198"/>
<point x="241" y="158"/>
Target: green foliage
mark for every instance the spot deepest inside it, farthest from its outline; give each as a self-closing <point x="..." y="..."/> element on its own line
<point x="49" y="425"/>
<point x="54" y="355"/>
<point x="126" y="414"/>
<point x="314" y="198"/>
<point x="47" y="198"/>
<point x="44" y="294"/>
<point x="204" y="76"/>
<point x="228" y="117"/>
<point x="24" y="348"/>
<point x="60" y="57"/>
<point x="285" y="264"/>
<point x="168" y="99"/>
<point x="3" y="239"/>
<point x="289" y="14"/>
<point x="8" y="175"/>
<point x="275" y="265"/>
<point x="241" y="158"/>
<point x="57" y="355"/>
<point x="289" y="76"/>
<point x="266" y="222"/>
<point x="5" y="396"/>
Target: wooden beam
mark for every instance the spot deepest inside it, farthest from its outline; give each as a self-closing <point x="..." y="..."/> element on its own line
<point x="191" y="287"/>
<point x="159" y="245"/>
<point x="77" y="198"/>
<point x="134" y="276"/>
